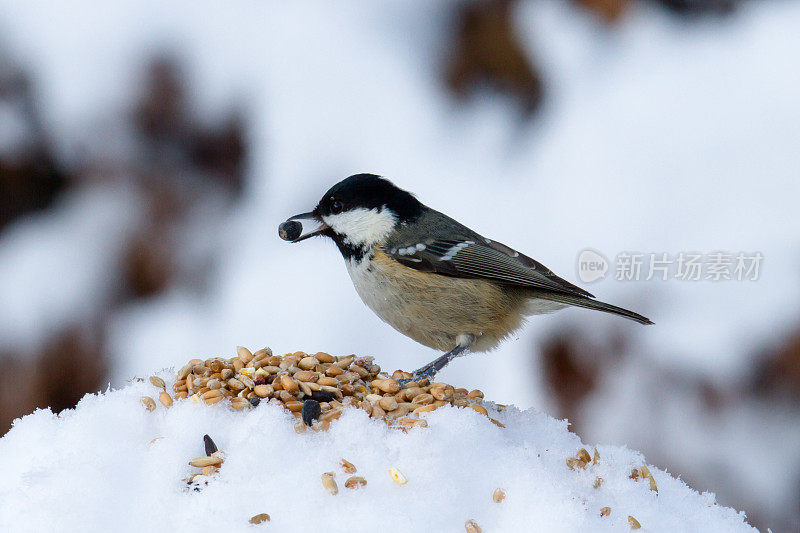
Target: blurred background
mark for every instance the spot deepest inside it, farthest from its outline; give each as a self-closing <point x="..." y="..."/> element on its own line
<point x="148" y="151"/>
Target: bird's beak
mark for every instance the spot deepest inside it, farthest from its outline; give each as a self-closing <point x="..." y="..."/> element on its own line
<point x="308" y="216"/>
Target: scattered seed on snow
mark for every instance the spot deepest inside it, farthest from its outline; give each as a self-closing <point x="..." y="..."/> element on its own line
<point x="329" y="483"/>
<point x="259" y="518"/>
<point x="397" y="476"/>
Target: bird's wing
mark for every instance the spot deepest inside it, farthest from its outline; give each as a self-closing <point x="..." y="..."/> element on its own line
<point x="478" y="257"/>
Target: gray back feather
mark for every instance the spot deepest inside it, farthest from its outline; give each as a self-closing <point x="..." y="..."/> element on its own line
<point x="452" y="249"/>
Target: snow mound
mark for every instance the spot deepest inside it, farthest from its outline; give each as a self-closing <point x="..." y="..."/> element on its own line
<point x="98" y="468"/>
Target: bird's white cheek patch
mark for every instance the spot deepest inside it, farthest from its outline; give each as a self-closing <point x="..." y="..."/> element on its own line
<point x="361" y="225"/>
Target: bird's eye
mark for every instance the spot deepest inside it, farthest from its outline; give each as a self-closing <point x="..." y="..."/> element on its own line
<point x="336" y="207"/>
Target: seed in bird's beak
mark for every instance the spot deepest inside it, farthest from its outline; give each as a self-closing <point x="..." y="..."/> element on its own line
<point x="290" y="230"/>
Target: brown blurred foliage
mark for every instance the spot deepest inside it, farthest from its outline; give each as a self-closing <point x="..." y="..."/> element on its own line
<point x="57" y="375"/>
<point x="700" y="7"/>
<point x="486" y="50"/>
<point x="30" y="179"/>
<point x="777" y="372"/>
<point x="184" y="161"/>
<point x="178" y="164"/>
<point x="609" y="11"/>
<point x="570" y="378"/>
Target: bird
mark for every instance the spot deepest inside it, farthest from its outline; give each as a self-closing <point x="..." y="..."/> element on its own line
<point x="430" y="277"/>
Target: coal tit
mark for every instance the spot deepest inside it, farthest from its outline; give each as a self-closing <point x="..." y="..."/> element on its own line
<point x="432" y="278"/>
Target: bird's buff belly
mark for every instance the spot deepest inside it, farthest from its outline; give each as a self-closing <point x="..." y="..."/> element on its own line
<point x="433" y="309"/>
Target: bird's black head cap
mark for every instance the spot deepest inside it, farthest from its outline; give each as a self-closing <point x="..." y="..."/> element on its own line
<point x="369" y="191"/>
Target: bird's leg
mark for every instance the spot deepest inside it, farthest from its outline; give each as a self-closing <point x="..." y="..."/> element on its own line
<point x="429" y="371"/>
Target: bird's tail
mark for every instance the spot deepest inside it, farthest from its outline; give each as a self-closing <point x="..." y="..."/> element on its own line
<point x="588" y="303"/>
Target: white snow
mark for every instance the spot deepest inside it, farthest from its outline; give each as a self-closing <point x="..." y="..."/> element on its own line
<point x="95" y="468"/>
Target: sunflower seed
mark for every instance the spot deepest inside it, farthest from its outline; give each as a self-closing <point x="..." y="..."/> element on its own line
<point x="206" y="461"/>
<point x="347" y="466"/>
<point x="329" y="483"/>
<point x="397" y="476"/>
<point x="311" y="411"/>
<point x="165" y="399"/>
<point x="209" y="445"/>
<point x="355" y="482"/>
<point x="149" y="403"/>
<point x="158" y="382"/>
<point x="471" y="526"/>
<point x="259" y="518"/>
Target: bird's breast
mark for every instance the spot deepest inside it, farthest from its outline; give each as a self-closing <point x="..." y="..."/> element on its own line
<point x="433" y="309"/>
<point x="378" y="290"/>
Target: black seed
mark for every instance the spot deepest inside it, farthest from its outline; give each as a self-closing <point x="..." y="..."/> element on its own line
<point x="311" y="411"/>
<point x="323" y="396"/>
<point x="254" y="401"/>
<point x="290" y="230"/>
<point x="210" y="446"/>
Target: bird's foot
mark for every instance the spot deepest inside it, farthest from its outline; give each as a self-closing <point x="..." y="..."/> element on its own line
<point x="428" y="371"/>
<point x="421" y="376"/>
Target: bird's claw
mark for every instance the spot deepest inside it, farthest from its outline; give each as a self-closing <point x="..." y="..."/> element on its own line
<point x="420" y="376"/>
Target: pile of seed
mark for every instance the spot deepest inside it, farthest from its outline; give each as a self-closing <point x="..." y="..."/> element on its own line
<point x="315" y="388"/>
